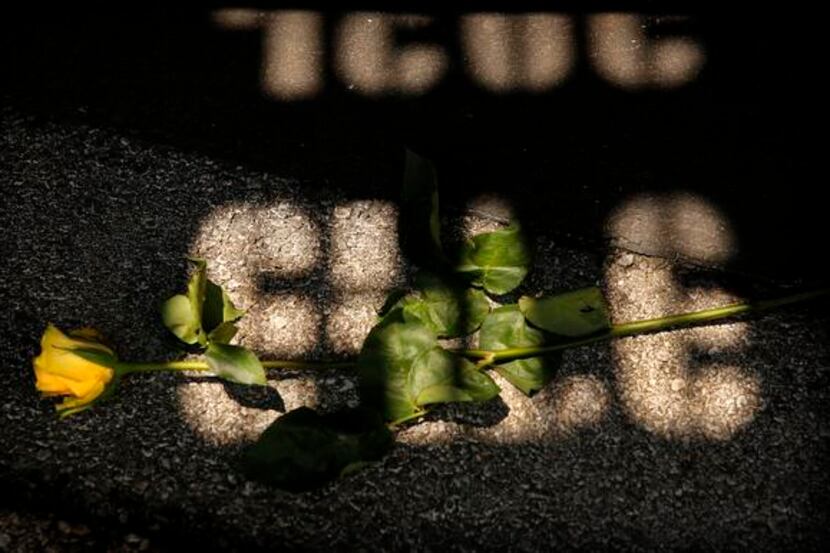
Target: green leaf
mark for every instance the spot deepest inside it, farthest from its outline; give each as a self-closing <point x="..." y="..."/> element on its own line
<point x="576" y="313"/>
<point x="447" y="309"/>
<point x="393" y="300"/>
<point x="303" y="450"/>
<point x="507" y="328"/>
<point x="386" y="360"/>
<point x="437" y="376"/>
<point x="223" y="333"/>
<point x="182" y="314"/>
<point x="178" y="316"/>
<point x="235" y="364"/>
<point x="203" y="313"/>
<point x="402" y="369"/>
<point x="217" y="308"/>
<point x="420" y="223"/>
<point x="196" y="289"/>
<point x="497" y="261"/>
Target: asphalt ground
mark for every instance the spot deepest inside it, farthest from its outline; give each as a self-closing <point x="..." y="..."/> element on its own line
<point x="712" y="438"/>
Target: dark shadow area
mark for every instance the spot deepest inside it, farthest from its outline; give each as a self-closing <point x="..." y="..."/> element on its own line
<point x="476" y="415"/>
<point x="737" y="134"/>
<point x="260" y="397"/>
<point x="121" y="133"/>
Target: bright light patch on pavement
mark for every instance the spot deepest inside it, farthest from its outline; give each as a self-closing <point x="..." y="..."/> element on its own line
<point x="625" y="55"/>
<point x="513" y="52"/>
<point x="660" y="383"/>
<point x="377" y="54"/>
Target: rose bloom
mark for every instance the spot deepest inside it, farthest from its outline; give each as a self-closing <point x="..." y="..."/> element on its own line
<point x="64" y="368"/>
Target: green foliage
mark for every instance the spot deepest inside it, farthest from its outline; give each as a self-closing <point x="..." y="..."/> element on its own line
<point x="402" y="367"/>
<point x="497" y="261"/>
<point x="447" y="309"/>
<point x="303" y="450"/>
<point x="386" y="360"/>
<point x="223" y="333"/>
<point x="392" y="301"/>
<point x="196" y="289"/>
<point x="506" y="328"/>
<point x="205" y="315"/>
<point x="178" y="316"/>
<point x="438" y="376"/>
<point x="235" y="364"/>
<point x="577" y="313"/>
<point x="219" y="311"/>
<point x="401" y="360"/>
<point x="419" y="212"/>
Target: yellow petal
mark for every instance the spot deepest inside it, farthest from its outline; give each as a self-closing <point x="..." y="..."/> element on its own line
<point x="83" y="387"/>
<point x="54" y="338"/>
<point x="59" y="371"/>
<point x="69" y="365"/>
<point x="49" y="383"/>
<point x="70" y="403"/>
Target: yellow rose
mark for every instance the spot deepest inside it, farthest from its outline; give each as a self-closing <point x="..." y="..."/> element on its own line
<point x="78" y="366"/>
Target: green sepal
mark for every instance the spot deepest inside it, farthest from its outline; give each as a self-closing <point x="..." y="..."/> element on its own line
<point x="97" y="356"/>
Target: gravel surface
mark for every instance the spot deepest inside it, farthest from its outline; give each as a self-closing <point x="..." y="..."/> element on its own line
<point x="710" y="438"/>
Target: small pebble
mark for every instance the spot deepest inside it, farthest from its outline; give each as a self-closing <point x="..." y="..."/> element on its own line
<point x="626" y="260"/>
